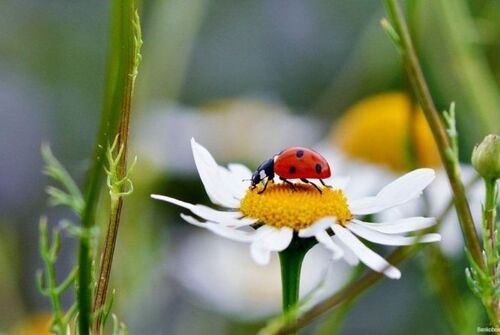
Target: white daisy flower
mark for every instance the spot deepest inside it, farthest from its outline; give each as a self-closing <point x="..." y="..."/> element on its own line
<point x="269" y="221"/>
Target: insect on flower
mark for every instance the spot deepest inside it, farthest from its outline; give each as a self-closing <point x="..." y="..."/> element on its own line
<point x="293" y="163"/>
<point x="270" y="221"/>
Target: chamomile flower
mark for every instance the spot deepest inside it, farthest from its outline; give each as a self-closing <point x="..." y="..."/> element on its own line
<point x="374" y="138"/>
<point x="270" y="220"/>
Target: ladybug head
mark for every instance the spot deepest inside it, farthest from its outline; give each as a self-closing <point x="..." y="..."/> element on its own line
<point x="265" y="170"/>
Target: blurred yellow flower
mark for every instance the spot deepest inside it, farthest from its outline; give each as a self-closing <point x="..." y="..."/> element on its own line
<point x="378" y="130"/>
<point x="36" y="324"/>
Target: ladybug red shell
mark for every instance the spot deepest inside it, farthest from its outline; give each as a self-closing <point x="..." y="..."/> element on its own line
<point x="299" y="162"/>
<point x="293" y="163"/>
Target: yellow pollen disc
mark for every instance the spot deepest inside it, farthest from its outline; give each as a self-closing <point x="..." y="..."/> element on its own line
<point x="378" y="130"/>
<point x="281" y="206"/>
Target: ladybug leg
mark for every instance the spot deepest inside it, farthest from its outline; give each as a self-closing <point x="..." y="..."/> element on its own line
<point x="325" y="185"/>
<point x="310" y="182"/>
<point x="265" y="186"/>
<point x="289" y="183"/>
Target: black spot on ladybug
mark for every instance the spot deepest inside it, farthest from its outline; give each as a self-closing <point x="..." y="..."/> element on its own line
<point x="318" y="168"/>
<point x="299" y="153"/>
<point x="292" y="169"/>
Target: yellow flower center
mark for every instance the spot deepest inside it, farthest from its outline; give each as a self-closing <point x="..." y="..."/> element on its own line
<point x="282" y="206"/>
<point x="379" y="130"/>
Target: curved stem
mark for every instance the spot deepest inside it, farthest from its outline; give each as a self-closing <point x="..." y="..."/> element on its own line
<point x="291" y="263"/>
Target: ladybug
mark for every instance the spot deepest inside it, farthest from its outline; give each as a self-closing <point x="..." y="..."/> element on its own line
<point x="293" y="163"/>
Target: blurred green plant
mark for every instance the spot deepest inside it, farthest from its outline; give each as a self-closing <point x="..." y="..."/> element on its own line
<point x="46" y="281"/>
<point x="485" y="282"/>
<point x="70" y="195"/>
<point x="124" y="59"/>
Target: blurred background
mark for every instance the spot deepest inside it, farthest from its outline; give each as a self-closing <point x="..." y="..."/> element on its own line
<point x="246" y="79"/>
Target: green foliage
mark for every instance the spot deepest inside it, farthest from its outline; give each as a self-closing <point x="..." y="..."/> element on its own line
<point x="136" y="24"/>
<point x="451" y="128"/>
<point x="392" y="33"/>
<point x="485" y="283"/>
<point x="46" y="281"/>
<point x="119" y="328"/>
<point x="118" y="186"/>
<point x="70" y="195"/>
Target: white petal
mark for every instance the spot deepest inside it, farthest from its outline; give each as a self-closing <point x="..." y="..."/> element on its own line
<point x="400" y="191"/>
<point x="326" y="240"/>
<point x="386" y="239"/>
<point x="320" y="225"/>
<point x="260" y="254"/>
<point x="349" y="256"/>
<point x="217" y="188"/>
<point x="405" y="225"/>
<point x="269" y="239"/>
<point x="230" y="233"/>
<point x="365" y="254"/>
<point x="227" y="218"/>
<point x="234" y="184"/>
<point x="274" y="239"/>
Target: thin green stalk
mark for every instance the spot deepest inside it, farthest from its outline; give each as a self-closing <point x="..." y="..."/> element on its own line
<point x="291" y="262"/>
<point x="118" y="182"/>
<point x="49" y="255"/>
<point x="446" y="150"/>
<point x="489" y="238"/>
<point x="116" y="79"/>
<point x="491" y="300"/>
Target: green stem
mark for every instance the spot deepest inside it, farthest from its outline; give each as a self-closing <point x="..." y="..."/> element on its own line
<point x="491" y="301"/>
<point x="49" y="258"/>
<point x="117" y="78"/>
<point x="291" y="262"/>
<point x="445" y="147"/>
<point x="489" y="235"/>
<point x="131" y="36"/>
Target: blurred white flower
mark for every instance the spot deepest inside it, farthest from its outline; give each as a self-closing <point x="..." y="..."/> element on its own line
<point x="252" y="125"/>
<point x="222" y="277"/>
<point x="281" y="213"/>
<point x="371" y="142"/>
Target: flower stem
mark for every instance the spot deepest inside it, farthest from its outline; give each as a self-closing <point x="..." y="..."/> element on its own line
<point x="491" y="301"/>
<point x="445" y="146"/>
<point x="118" y="180"/>
<point x="116" y="79"/>
<point x="291" y="263"/>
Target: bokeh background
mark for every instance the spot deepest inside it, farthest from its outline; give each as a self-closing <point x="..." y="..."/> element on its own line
<point x="246" y="78"/>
